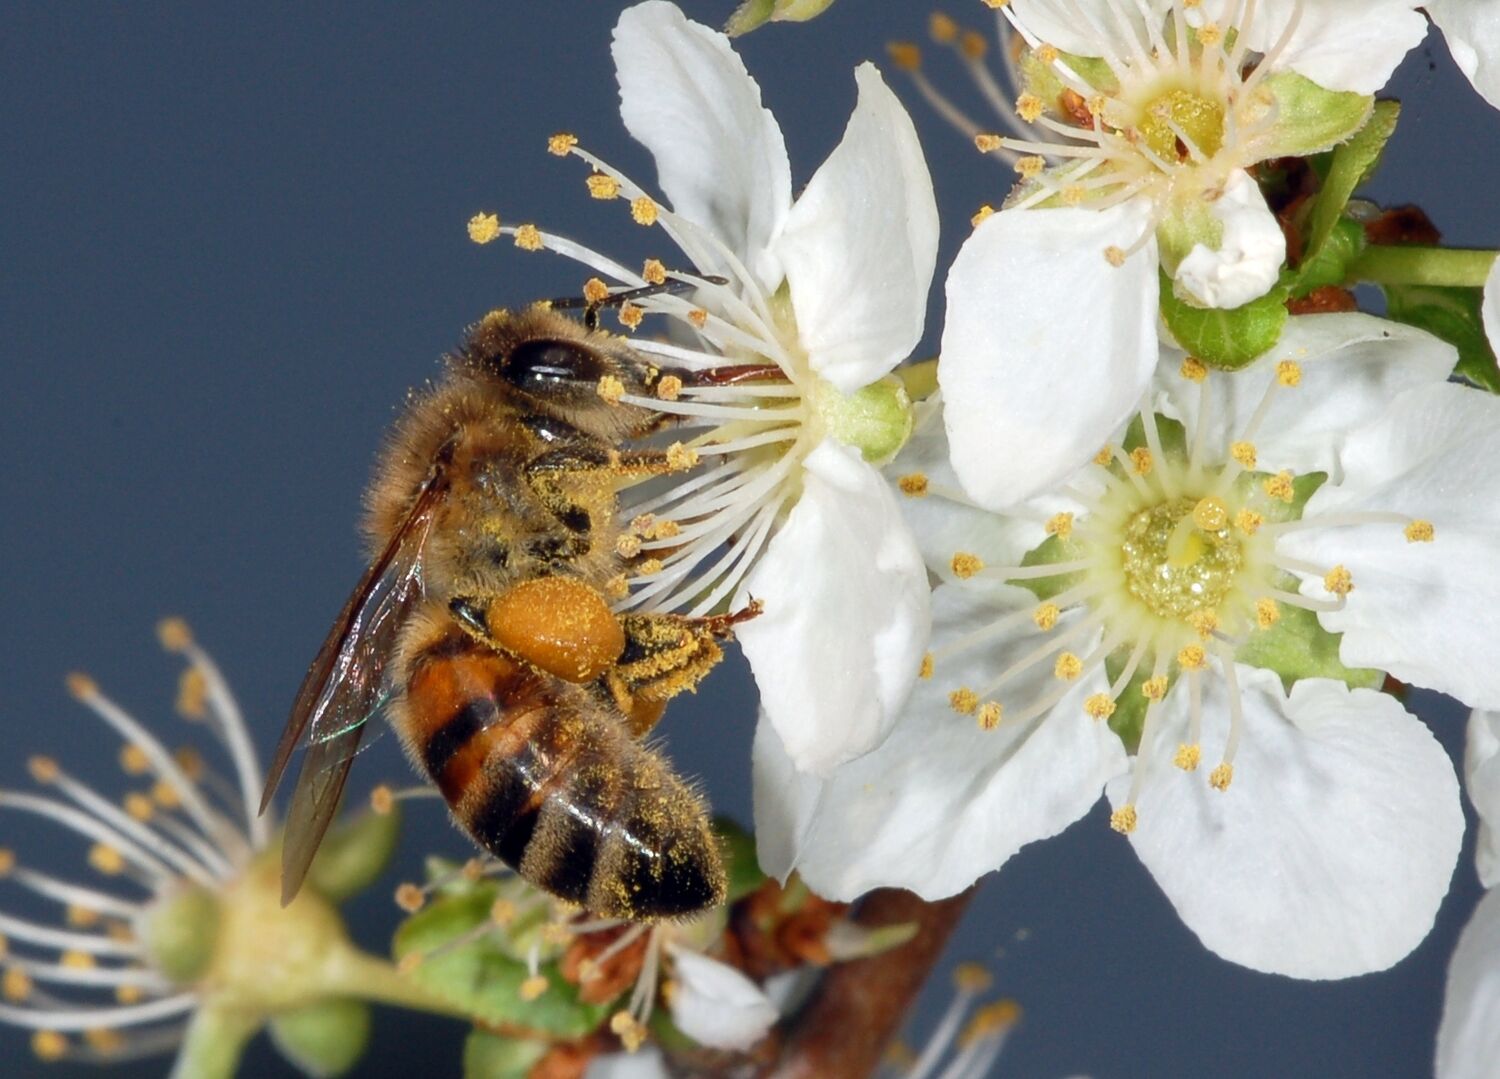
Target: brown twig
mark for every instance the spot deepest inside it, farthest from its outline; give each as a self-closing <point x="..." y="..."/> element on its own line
<point x="859" y="1006"/>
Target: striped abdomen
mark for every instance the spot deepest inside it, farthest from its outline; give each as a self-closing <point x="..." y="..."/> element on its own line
<point x="543" y="775"/>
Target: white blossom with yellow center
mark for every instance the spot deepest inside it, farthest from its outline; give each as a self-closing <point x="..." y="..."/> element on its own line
<point x="815" y="301"/>
<point x="1178" y="598"/>
<point x="1133" y="127"/>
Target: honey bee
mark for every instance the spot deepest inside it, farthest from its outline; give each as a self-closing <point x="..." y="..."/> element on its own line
<point x="483" y="622"/>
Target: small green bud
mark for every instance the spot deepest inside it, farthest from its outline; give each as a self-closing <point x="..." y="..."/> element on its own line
<point x="1225" y="339"/>
<point x="355" y="853"/>
<point x="754" y="13"/>
<point x="489" y="1056"/>
<point x="181" y="931"/>
<point x="325" y="1039"/>
<point x="876" y="420"/>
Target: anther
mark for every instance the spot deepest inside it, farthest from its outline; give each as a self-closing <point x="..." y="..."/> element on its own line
<point x="617" y="587"/>
<point x="1031" y="166"/>
<point x="1289" y="373"/>
<point x="942" y="28"/>
<point x="81" y="685"/>
<point x="561" y="143"/>
<point x="1211" y="514"/>
<point x="165" y="795"/>
<point x="965" y="565"/>
<point x="503" y="912"/>
<point x="925" y="670"/>
<point x="1192" y="658"/>
<point x="1193" y="369"/>
<point x="1045" y="616"/>
<point x="649" y="567"/>
<point x="625" y="1027"/>
<point x="133" y="760"/>
<point x="74" y="960"/>
<point x="140" y="807"/>
<point x="82" y="917"/>
<point x="973" y="45"/>
<point x="1124" y="819"/>
<point x="981" y="215"/>
<point x="698" y="317"/>
<point x="628" y="545"/>
<point x="1209" y="35"/>
<point x="1104" y="456"/>
<point x="105" y="1041"/>
<point x="174" y="634"/>
<point x="602" y="185"/>
<point x="106" y="859"/>
<point x="1099" y="706"/>
<point x="192" y="694"/>
<point x="16" y="985"/>
<point x="630" y="316"/>
<point x="1280" y="486"/>
<point x="680" y="457"/>
<point x="1114" y="255"/>
<point x="49" y="1045"/>
<point x="988" y="142"/>
<point x="643" y="210"/>
<point x="669" y="388"/>
<point x="992" y="1019"/>
<point x="1046" y="53"/>
<point x="528" y="238"/>
<point x="533" y="987"/>
<point x="7" y="863"/>
<point x="1339" y="581"/>
<point x="913" y="484"/>
<point x="654" y="272"/>
<point x="1204" y="623"/>
<point x="595" y="291"/>
<point x="1068" y="667"/>
<point x="989" y="715"/>
<point x="1220" y="778"/>
<point x="971" y="978"/>
<point x="43" y="769"/>
<point x="1154" y="689"/>
<point x="1140" y="459"/>
<point x="905" y="55"/>
<point x="1188" y="756"/>
<point x="1244" y="453"/>
<point x="410" y="897"/>
<point x="1060" y="525"/>
<point x="382" y="800"/>
<point x="611" y="389"/>
<point x="964" y="701"/>
<point x="484" y="228"/>
<point x="1420" y="532"/>
<point x="1248" y="522"/>
<point x="1029" y="107"/>
<point x="1267" y="613"/>
<point x="129" y="994"/>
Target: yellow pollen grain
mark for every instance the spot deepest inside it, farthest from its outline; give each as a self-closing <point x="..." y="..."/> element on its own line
<point x="1067" y="668"/>
<point x="1073" y="195"/>
<point x="1203" y="622"/>
<point x="630" y="316"/>
<point x="617" y="587"/>
<point x="562" y="143"/>
<point x="533" y="987"/>
<point x="664" y="529"/>
<point x="669" y="388"/>
<point x="133" y="760"/>
<point x="1114" y="255"/>
<point x="1154" y="689"/>
<point x="981" y="215"/>
<point x="1141" y="460"/>
<point x="1420" y="532"/>
<point x="1060" y="525"/>
<point x="698" y="317"/>
<point x="632" y="1034"/>
<point x="16" y="985"/>
<point x="129" y="994"/>
<point x="1104" y="456"/>
<point x="1338" y="581"/>
<point x="628" y="545"/>
<point x="1046" y="616"/>
<point x="942" y="28"/>
<point x="654" y="272"/>
<point x="996" y="4"/>
<point x="189" y="761"/>
<point x="139" y="806"/>
<point x="966" y="565"/>
<point x="43" y="769"/>
<point x="503" y="912"/>
<point x="905" y="55"/>
<point x="925" y="670"/>
<point x="987" y="142"/>
<point x="174" y="634"/>
<point x="1244" y="453"/>
<point x="602" y="185"/>
<point x="409" y="897"/>
<point x="648" y="568"/>
<point x="1220" y="778"/>
<point x="81" y="685"/>
<point x="988" y="1021"/>
<point x="484" y="228"/>
<point x="1280" y="487"/>
<point x="192" y="694"/>
<point x="1267" y="613"/>
<point x="1248" y="522"/>
<point x="106" y="859"/>
<point x="1031" y="166"/>
<point x="528" y="238"/>
<point x="49" y="1045"/>
<point x="1193" y="369"/>
<point x="643" y="523"/>
<point x="1289" y="373"/>
<point x="1188" y="756"/>
<point x="1192" y="658"/>
<point x="1210" y="35"/>
<point x="1099" y="706"/>
<point x="7" y="863"/>
<point x="1211" y="514"/>
<point x="971" y="978"/>
<point x="964" y="701"/>
<point x="974" y="45"/>
<point x="913" y="484"/>
<point x="643" y="210"/>
<point x="595" y="291"/>
<point x="1029" y="107"/>
<point x="382" y="800"/>
<point x="611" y="389"/>
<point x="989" y="715"/>
<point x="75" y="960"/>
<point x="165" y="795"/>
<point x="1124" y="819"/>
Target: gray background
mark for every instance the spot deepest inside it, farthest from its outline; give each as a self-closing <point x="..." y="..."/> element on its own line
<point x="229" y="242"/>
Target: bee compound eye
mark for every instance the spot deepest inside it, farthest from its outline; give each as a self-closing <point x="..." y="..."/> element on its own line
<point x="547" y="368"/>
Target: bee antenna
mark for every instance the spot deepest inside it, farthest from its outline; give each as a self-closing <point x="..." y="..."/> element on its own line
<point x="591" y="308"/>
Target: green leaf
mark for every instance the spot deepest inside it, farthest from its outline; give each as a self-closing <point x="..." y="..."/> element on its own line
<point x="1297" y="647"/>
<point x="490" y="1056"/>
<point x="481" y="977"/>
<point x="355" y="853"/>
<point x="325" y="1039"/>
<point x="1353" y="163"/>
<point x="1228" y="339"/>
<point x="740" y="861"/>
<point x="1452" y="314"/>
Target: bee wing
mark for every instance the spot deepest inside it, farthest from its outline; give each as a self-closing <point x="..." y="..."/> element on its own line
<point x="345" y="685"/>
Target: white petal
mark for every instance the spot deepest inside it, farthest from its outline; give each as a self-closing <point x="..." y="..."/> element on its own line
<point x="846" y="619"/>
<point x="648" y="1063"/>
<point x="1429" y="613"/>
<point x="1047" y="348"/>
<point x="1087" y="27"/>
<point x="1250" y="253"/>
<point x="1331" y="850"/>
<point x="1468" y="1039"/>
<point x="720" y="158"/>
<point x="716" y="1005"/>
<point x="1490" y="309"/>
<point x="942" y="801"/>
<point x="1340" y="44"/>
<point x="1482" y="780"/>
<point x="1352" y="366"/>
<point x="1472" y="30"/>
<point x="860" y="245"/>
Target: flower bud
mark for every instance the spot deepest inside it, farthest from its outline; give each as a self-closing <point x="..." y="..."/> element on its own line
<point x="181" y="931"/>
<point x="323" y="1039"/>
<point x="355" y="853"/>
<point x="754" y="13"/>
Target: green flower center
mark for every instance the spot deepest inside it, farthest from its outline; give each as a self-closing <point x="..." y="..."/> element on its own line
<point x="1175" y="566"/>
<point x="1178" y="114"/>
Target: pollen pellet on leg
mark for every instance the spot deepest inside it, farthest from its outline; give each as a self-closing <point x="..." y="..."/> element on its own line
<point x="562" y="625"/>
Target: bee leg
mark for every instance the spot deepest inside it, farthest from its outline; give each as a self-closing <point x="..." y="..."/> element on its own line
<point x="666" y="654"/>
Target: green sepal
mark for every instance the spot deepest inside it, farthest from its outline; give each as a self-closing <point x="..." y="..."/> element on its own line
<point x="1297" y="647"/>
<point x="1042" y="80"/>
<point x="482" y="977"/>
<point x="1129" y="716"/>
<point x="325" y="1039"/>
<point x="1352" y="164"/>
<point x="181" y="933"/>
<point x="1172" y="433"/>
<point x="740" y="862"/>
<point x="1329" y="265"/>
<point x="213" y="1043"/>
<point x="491" y="1056"/>
<point x="355" y="853"/>
<point x="1310" y="118"/>
<point x="1050" y="550"/>
<point x="1225" y="339"/>
<point x="755" y="13"/>
<point x="1452" y="314"/>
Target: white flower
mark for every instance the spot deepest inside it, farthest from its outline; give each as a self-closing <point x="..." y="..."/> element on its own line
<point x="716" y="1005"/>
<point x="1468" y="1040"/>
<point x="1161" y="601"/>
<point x="786" y="352"/>
<point x="1132" y="134"/>
<point x="1472" y="30"/>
